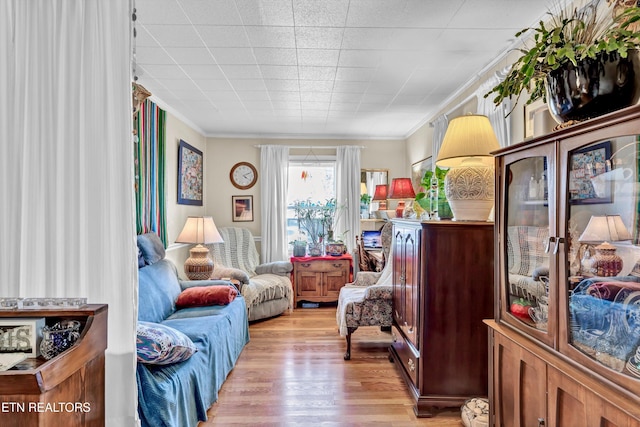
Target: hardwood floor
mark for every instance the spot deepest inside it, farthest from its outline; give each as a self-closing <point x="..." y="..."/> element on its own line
<point x="292" y="374"/>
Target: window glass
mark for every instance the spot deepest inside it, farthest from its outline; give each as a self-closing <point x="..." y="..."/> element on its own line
<point x="310" y="183"/>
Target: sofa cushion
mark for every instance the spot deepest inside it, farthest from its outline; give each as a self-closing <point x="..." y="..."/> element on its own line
<point x="206" y="295"/>
<point x="525" y="248"/>
<point x="158" y="288"/>
<point x="151" y="247"/>
<point x="162" y="345"/>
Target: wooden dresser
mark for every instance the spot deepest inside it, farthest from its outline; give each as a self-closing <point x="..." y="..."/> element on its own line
<point x="319" y="279"/>
<point x="67" y="390"/>
<point x="442" y="291"/>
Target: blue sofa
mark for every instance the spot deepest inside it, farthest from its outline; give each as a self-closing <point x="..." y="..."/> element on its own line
<point x="179" y="394"/>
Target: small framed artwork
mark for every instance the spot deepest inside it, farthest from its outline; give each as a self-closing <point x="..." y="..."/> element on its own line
<point x="190" y="181"/>
<point x="417" y="172"/>
<point x="21" y="335"/>
<point x="242" y="208"/>
<point x="585" y="166"/>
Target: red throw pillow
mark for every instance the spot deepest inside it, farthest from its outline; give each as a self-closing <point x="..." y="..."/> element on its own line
<point x="200" y="296"/>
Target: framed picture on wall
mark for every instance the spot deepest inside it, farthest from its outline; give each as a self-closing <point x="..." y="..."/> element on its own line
<point x="190" y="181"/>
<point x="417" y="172"/>
<point x="242" y="208"/>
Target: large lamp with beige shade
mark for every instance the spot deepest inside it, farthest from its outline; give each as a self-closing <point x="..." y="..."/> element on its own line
<point x="199" y="230"/>
<point x="466" y="150"/>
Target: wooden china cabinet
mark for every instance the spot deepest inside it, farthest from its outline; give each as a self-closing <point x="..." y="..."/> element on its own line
<point x="565" y="339"/>
<point x="442" y="292"/>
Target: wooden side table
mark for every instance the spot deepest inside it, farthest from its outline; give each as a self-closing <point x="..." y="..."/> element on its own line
<point x="319" y="279"/>
<point x="67" y="390"/>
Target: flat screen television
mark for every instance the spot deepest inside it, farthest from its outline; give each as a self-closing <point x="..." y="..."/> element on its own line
<point x="372" y="239"/>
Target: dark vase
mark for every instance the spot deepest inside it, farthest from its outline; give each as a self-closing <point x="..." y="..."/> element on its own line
<point x="593" y="88"/>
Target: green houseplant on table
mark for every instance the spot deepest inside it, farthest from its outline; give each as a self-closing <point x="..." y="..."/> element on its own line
<point x="579" y="62"/>
<point x="316" y="220"/>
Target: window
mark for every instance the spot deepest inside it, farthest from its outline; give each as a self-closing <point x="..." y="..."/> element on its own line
<point x="312" y="182"/>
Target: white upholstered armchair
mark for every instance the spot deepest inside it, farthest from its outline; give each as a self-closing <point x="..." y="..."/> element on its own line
<point x="266" y="288"/>
<point x="367" y="301"/>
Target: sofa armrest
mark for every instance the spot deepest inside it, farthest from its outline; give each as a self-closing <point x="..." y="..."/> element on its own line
<point x="186" y="284"/>
<point x="281" y="268"/>
<point x="229" y="273"/>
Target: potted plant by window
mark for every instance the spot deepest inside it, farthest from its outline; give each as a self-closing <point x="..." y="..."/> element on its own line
<point x="579" y="62"/>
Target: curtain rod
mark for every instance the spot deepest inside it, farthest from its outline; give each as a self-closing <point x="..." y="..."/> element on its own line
<point x="317" y="147"/>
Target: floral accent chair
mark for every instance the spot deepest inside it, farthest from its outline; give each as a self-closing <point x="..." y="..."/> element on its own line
<point x="367" y="301"/>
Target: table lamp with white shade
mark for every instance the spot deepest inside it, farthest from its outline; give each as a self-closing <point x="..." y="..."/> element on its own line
<point x="601" y="230"/>
<point x="466" y="151"/>
<point x="199" y="230"/>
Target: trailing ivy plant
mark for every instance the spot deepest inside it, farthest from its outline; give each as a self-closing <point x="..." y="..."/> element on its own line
<point x="568" y="38"/>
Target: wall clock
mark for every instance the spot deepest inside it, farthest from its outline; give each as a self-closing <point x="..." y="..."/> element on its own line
<point x="243" y="175"/>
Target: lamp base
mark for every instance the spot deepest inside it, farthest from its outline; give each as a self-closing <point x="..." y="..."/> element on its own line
<point x="470" y="191"/>
<point x="198" y="266"/>
<point x="400" y="209"/>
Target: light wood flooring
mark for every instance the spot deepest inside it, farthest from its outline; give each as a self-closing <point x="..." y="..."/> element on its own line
<point x="292" y="373"/>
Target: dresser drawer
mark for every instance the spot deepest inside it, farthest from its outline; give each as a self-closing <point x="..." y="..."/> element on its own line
<point x="407" y="355"/>
<point x="323" y="266"/>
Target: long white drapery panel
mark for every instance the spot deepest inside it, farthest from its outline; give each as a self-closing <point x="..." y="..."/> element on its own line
<point x="501" y="124"/>
<point x="439" y="129"/>
<point x="66" y="168"/>
<point x="348" y="194"/>
<point x="274" y="178"/>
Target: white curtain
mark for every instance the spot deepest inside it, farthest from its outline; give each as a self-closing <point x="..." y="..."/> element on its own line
<point x="274" y="178"/>
<point x="439" y="129"/>
<point x="501" y="124"/>
<point x="67" y="223"/>
<point x="348" y="194"/>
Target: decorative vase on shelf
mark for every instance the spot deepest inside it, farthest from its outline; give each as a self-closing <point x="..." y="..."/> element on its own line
<point x="299" y="248"/>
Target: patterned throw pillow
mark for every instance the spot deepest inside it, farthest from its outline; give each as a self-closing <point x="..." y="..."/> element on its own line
<point x="158" y="344"/>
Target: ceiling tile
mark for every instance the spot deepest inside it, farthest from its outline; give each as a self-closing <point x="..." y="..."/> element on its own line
<point x="317" y="73"/>
<point x="212" y="12"/>
<point x="325" y="13"/>
<point x="359" y="58"/>
<point x="350" y="87"/>
<point x="160" y="12"/>
<point x="223" y="36"/>
<point x="318" y="57"/>
<point x="275" y="56"/>
<point x="367" y="38"/>
<point x="159" y="71"/>
<point x="241" y="71"/>
<point x="279" y="72"/>
<point x="219" y="96"/>
<point x="285" y="85"/>
<point x="152" y="55"/>
<point x="315" y="96"/>
<point x="233" y="56"/>
<point x="213" y="84"/>
<point x="355" y="74"/>
<point x="318" y="38"/>
<point x="191" y="55"/>
<point x="271" y="36"/>
<point x="174" y="35"/>
<point x="203" y="71"/>
<point x="271" y="12"/>
<point x="292" y="96"/>
<point x="248" y="84"/>
<point x="316" y="85"/>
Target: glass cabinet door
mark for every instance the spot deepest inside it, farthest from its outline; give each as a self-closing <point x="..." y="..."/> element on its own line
<point x="526" y="245"/>
<point x="602" y="264"/>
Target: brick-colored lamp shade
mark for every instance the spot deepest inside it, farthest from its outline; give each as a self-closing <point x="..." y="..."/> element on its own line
<point x="401" y="188"/>
<point x="381" y="196"/>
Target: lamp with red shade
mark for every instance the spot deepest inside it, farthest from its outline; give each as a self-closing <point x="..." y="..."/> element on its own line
<point x="380" y="196"/>
<point x="401" y="189"/>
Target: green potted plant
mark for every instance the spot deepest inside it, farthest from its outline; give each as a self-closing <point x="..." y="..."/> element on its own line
<point x="568" y="59"/>
<point x="425" y="199"/>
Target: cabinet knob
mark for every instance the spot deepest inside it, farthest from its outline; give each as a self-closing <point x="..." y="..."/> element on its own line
<point x="336" y="265"/>
<point x="412" y="366"/>
<point x="306" y="264"/>
<point x="541" y="422"/>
